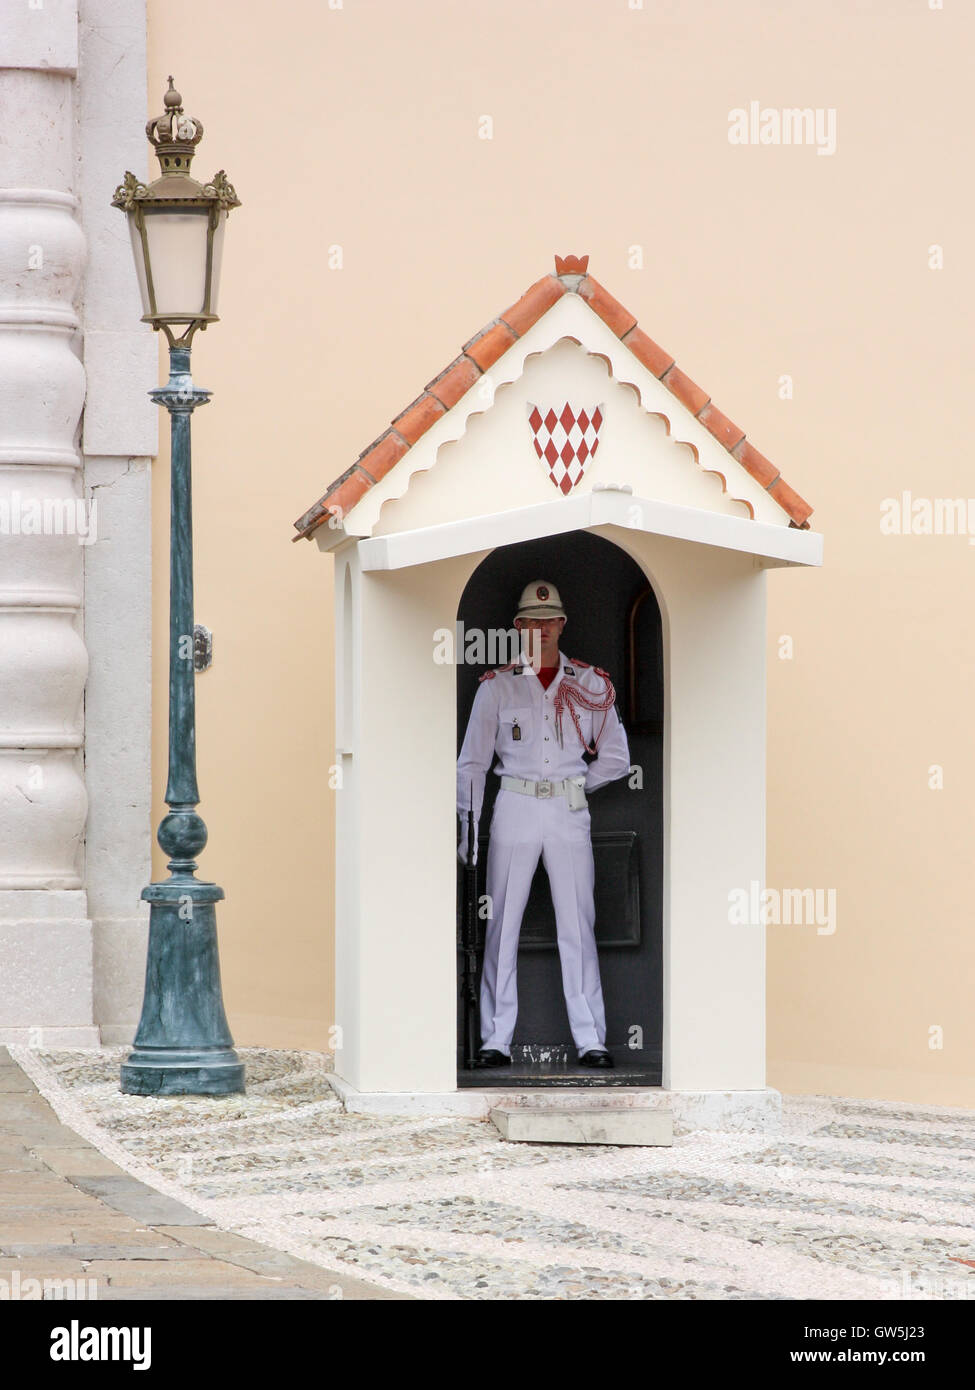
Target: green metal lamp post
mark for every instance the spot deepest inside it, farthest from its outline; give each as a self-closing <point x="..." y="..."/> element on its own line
<point x="183" y="1044"/>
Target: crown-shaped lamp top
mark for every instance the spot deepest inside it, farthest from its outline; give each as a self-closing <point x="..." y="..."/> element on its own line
<point x="174" y="135"/>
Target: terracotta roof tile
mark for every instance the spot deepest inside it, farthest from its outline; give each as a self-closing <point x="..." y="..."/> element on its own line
<point x="417" y="418"/>
<point x="352" y="491"/>
<point x="790" y="501"/>
<point x="380" y="457"/>
<point x="610" y="310"/>
<point x="645" y="350"/>
<point x="755" y="463"/>
<point x="454" y="381"/>
<point x="721" y="427"/>
<point x="341" y="497"/>
<point x="485" y="348"/>
<point x="688" y="392"/>
<point x="533" y="304"/>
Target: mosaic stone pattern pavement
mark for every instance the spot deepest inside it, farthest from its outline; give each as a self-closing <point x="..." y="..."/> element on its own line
<point x="849" y="1200"/>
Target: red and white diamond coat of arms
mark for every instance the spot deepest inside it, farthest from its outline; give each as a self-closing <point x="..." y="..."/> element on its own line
<point x="565" y="441"/>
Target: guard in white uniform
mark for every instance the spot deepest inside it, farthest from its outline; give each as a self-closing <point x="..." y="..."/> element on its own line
<point x="539" y="733"/>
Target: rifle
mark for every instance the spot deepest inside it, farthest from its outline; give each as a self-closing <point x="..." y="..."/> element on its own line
<point x="469" y="943"/>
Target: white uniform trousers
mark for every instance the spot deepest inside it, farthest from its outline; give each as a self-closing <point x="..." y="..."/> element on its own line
<point x="522" y="828"/>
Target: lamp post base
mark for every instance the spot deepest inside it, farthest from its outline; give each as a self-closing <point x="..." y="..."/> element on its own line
<point x="165" y="1072"/>
<point x="183" y="1045"/>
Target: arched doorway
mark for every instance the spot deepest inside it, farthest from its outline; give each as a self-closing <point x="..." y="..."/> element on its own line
<point x="613" y="622"/>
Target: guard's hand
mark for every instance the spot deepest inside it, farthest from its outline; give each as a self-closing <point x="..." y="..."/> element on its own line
<point x="462" y="849"/>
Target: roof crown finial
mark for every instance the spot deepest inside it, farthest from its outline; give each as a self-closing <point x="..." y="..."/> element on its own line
<point x="174" y="135"/>
<point x="571" y="265"/>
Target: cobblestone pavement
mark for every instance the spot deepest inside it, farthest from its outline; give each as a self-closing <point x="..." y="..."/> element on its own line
<point x="75" y="1225"/>
<point x="850" y="1199"/>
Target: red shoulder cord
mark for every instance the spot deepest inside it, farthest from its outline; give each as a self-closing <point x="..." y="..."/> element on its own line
<point x="571" y="695"/>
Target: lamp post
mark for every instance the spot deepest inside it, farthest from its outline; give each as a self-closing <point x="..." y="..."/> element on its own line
<point x="183" y="1044"/>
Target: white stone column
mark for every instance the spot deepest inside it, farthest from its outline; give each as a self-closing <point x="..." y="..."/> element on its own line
<point x="45" y="932"/>
<point x="119" y="438"/>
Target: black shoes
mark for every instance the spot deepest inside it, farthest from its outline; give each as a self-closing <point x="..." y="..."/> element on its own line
<point x="596" y="1059"/>
<point x="490" y="1057"/>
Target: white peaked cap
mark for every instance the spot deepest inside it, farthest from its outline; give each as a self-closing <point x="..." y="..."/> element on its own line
<point x="540" y="599"/>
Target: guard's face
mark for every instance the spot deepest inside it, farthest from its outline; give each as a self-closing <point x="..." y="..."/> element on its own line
<point x="540" y="638"/>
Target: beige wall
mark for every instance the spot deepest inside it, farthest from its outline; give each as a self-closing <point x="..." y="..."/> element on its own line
<point x="359" y="127"/>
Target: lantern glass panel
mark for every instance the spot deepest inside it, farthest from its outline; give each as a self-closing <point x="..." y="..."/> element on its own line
<point x="178" y="260"/>
<point x="218" y="235"/>
<point x="138" y="255"/>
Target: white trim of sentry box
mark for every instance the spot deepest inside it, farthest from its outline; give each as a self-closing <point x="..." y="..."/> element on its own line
<point x="778" y="545"/>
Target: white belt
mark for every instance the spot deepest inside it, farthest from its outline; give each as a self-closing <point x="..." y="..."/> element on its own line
<point x="543" y="790"/>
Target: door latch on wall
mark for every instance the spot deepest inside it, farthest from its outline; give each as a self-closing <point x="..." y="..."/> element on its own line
<point x="202" y="647"/>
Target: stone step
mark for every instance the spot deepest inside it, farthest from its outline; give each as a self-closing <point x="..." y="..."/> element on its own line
<point x="515" y="1097"/>
<point x="554" y="1125"/>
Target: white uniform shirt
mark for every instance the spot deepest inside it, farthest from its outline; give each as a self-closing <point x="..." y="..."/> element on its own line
<point x="516" y="699"/>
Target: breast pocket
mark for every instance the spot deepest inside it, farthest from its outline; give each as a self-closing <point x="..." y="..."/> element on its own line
<point x="515" y="727"/>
